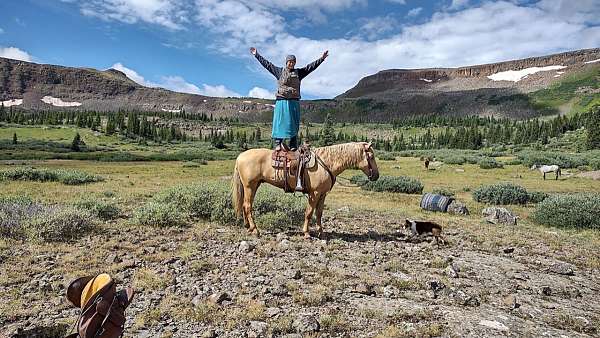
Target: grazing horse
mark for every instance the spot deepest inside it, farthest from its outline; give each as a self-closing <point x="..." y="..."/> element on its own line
<point x="544" y="169"/>
<point x="253" y="167"/>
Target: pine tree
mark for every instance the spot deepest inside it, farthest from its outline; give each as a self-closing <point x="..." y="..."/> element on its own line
<point x="593" y="128"/>
<point x="14" y="141"/>
<point x="327" y="135"/>
<point x="258" y="135"/>
<point x="75" y="145"/>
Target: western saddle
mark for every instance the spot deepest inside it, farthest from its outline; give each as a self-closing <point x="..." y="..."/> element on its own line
<point x="287" y="162"/>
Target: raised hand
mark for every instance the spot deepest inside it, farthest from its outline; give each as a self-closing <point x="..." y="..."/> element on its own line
<point x="253" y="50"/>
<point x="325" y="54"/>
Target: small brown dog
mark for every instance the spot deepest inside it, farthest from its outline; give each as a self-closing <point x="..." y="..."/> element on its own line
<point x="423" y="227"/>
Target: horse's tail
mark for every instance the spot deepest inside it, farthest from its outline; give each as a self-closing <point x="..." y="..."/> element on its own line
<point x="559" y="173"/>
<point x="237" y="191"/>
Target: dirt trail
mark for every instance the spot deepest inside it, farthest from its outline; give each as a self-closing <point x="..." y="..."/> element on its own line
<point x="366" y="278"/>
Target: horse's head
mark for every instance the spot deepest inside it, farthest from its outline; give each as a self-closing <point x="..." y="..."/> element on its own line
<point x="368" y="164"/>
<point x="533" y="167"/>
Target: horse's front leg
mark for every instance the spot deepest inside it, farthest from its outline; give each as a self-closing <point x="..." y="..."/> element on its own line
<point x="320" y="206"/>
<point x="310" y="208"/>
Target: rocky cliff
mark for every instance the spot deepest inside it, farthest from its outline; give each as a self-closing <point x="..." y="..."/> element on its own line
<point x="473" y="77"/>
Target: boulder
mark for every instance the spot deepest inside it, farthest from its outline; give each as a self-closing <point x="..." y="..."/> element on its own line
<point x="457" y="208"/>
<point x="497" y="215"/>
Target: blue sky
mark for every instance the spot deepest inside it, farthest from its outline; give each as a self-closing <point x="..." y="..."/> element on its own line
<point x="201" y="46"/>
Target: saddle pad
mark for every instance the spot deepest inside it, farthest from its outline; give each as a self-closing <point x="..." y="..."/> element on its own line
<point x="94" y="286"/>
<point x="434" y="202"/>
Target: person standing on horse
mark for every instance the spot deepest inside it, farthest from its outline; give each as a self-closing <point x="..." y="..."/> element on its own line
<point x="286" y="117"/>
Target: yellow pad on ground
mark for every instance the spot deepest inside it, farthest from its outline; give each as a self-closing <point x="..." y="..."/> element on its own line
<point x="94" y="286"/>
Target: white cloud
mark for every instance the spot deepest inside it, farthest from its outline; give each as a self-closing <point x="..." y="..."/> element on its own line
<point x="133" y="75"/>
<point x="459" y="35"/>
<point x="15" y="53"/>
<point x="171" y="14"/>
<point x="373" y="28"/>
<point x="261" y="93"/>
<point x="1" y="30"/>
<point x="491" y="32"/>
<point x="401" y="2"/>
<point x="414" y="12"/>
<point x="177" y="84"/>
<point x="458" y="4"/>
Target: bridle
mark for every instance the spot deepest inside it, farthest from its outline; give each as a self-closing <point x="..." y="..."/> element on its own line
<point x="369" y="156"/>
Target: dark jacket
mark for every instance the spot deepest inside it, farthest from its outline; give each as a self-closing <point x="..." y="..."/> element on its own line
<point x="288" y="81"/>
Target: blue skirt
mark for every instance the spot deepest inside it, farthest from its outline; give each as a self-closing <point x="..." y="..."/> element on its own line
<point x="286" y="118"/>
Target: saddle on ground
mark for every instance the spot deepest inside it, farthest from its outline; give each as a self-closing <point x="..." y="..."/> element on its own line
<point x="102" y="306"/>
<point x="288" y="163"/>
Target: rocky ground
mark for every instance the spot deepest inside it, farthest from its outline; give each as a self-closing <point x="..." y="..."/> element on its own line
<point x="367" y="278"/>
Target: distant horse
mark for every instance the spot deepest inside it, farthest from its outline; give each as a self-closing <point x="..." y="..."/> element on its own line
<point x="544" y="169"/>
<point x="253" y="167"/>
<point x="427" y="163"/>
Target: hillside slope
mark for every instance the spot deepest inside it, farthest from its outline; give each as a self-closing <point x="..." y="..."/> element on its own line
<point x="109" y="90"/>
<point x="559" y="83"/>
<point x="519" y="88"/>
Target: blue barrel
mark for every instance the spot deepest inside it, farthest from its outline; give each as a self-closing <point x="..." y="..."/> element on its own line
<point x="434" y="202"/>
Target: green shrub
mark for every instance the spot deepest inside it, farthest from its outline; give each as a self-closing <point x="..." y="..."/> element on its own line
<point x="595" y="163"/>
<point x="514" y="161"/>
<point x="402" y="184"/>
<point x="159" y="215"/>
<point x="23" y="218"/>
<point x="442" y="191"/>
<point x="277" y="209"/>
<point x="563" y="160"/>
<point x="569" y="211"/>
<point x="384" y="156"/>
<point x="537" y="196"/>
<point x="191" y="164"/>
<point x="489" y="163"/>
<point x="70" y="177"/>
<point x="456" y="159"/>
<point x="196" y="199"/>
<point x="100" y="208"/>
<point x="212" y="201"/>
<point x="502" y="193"/>
<point x="358" y="179"/>
<point x="62" y="224"/>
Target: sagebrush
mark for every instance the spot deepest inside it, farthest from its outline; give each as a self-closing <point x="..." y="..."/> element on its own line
<point x="569" y="211"/>
<point x="23" y="218"/>
<point x="70" y="177"/>
<point x="399" y="184"/>
<point x="501" y="193"/>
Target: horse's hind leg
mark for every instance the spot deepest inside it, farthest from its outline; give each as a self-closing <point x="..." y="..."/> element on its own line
<point x="248" y="199"/>
<point x="320" y="206"/>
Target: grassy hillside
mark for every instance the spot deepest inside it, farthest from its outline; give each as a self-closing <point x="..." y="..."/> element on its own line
<point x="577" y="92"/>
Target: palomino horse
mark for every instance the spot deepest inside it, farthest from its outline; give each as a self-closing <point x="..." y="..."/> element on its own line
<point x="253" y="167"/>
<point x="544" y="169"/>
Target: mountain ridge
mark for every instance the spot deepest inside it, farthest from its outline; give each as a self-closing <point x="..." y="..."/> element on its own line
<point x="385" y="95"/>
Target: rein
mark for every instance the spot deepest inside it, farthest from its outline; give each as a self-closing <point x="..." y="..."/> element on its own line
<point x="331" y="176"/>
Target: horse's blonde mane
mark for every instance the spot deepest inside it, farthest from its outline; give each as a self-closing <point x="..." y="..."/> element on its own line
<point x="344" y="155"/>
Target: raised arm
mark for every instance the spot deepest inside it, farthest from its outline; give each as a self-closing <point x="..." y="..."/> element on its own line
<point x="309" y="68"/>
<point x="276" y="71"/>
